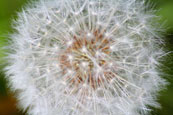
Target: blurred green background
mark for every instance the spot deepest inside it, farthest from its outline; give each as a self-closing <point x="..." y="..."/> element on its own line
<point x="8" y="10"/>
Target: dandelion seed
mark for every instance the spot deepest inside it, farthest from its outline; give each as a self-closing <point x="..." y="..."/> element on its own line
<point x="90" y="57"/>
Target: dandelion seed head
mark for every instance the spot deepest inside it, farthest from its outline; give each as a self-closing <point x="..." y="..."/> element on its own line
<point x="86" y="57"/>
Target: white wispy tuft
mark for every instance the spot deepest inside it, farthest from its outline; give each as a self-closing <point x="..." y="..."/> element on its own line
<point x="86" y="57"/>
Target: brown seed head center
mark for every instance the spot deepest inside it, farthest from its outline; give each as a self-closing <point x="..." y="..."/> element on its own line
<point x="85" y="59"/>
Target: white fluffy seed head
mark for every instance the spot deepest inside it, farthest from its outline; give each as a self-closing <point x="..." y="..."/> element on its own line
<point x="85" y="57"/>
